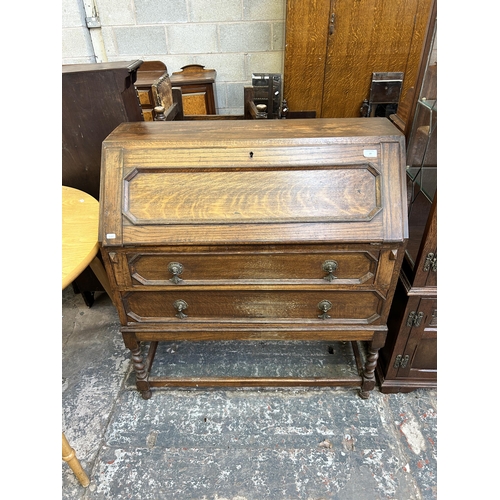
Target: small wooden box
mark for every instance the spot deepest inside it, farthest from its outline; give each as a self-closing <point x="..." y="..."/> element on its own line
<point x="252" y="230"/>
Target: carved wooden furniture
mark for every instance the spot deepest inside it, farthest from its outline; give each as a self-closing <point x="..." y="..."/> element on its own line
<point x="332" y="47"/>
<point x="96" y="98"/>
<point x="198" y="89"/>
<point x="267" y="90"/>
<point x="170" y="106"/>
<point x="176" y="110"/>
<point x="253" y="230"/>
<point x="153" y="84"/>
<point x="409" y="358"/>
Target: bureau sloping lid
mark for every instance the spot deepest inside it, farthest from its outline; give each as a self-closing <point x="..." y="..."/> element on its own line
<point x="253" y="181"/>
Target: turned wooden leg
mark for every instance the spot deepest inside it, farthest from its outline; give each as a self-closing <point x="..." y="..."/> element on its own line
<point x="141" y="374"/>
<point x="69" y="456"/>
<point x="368" y="382"/>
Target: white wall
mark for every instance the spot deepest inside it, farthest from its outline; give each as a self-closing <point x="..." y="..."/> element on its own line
<point x="234" y="37"/>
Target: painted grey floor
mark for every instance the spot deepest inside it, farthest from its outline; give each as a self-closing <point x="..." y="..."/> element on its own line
<point x="238" y="444"/>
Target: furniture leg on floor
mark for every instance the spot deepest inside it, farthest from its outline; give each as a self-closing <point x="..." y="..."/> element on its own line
<point x="69" y="456"/>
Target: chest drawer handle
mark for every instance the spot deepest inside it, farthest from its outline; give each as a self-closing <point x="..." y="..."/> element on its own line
<point x="329" y="266"/>
<point x="179" y="306"/>
<point x="176" y="269"/>
<point x="324" y="305"/>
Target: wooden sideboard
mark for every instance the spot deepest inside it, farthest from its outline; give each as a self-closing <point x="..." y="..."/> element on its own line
<point x="198" y="89"/>
<point x="96" y="98"/>
<point x="253" y="230"/>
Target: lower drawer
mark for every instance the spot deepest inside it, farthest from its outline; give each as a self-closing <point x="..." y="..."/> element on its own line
<point x="342" y="307"/>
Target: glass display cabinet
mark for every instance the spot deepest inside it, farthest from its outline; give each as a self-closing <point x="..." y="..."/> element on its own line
<point x="421" y="155"/>
<point x="409" y="358"/>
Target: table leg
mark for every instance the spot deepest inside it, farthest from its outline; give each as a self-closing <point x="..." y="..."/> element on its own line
<point x="69" y="456"/>
<point x="368" y="382"/>
<point x="100" y="272"/>
<point x="140" y="369"/>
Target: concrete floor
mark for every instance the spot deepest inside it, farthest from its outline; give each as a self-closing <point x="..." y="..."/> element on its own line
<point x="238" y="444"/>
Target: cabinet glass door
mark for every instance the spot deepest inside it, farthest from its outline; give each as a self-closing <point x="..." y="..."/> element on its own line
<point x="421" y="155"/>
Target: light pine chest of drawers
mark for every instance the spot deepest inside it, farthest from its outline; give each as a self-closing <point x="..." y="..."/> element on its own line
<point x="253" y="230"/>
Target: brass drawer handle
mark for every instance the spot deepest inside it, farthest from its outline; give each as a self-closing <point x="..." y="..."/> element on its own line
<point x="179" y="306"/>
<point x="324" y="305"/>
<point x="329" y="266"/>
<point x="176" y="269"/>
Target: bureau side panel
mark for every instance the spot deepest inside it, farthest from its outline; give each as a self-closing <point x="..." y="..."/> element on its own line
<point x="111" y="199"/>
<point x="395" y="220"/>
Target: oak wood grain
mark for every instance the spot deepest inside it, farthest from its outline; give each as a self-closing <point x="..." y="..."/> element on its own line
<point x="221" y="230"/>
<point x="80" y="220"/>
<point x="306" y="39"/>
<point x="329" y="63"/>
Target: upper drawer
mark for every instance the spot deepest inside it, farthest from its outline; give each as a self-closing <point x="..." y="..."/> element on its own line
<point x="251" y="183"/>
<point x="214" y="268"/>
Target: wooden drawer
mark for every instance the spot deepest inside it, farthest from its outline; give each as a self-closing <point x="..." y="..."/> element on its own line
<point x="217" y="268"/>
<point x="347" y="307"/>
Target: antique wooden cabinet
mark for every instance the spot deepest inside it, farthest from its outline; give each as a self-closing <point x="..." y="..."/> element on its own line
<point x="198" y="89"/>
<point x="251" y="230"/>
<point x="96" y="98"/>
<point x="409" y="358"/>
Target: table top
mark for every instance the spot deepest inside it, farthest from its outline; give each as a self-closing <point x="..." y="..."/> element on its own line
<point x="80" y="223"/>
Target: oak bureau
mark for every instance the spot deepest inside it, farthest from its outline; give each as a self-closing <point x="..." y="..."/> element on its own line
<point x="253" y="230"/>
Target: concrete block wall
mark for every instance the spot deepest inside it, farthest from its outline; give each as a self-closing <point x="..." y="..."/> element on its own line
<point x="234" y="37"/>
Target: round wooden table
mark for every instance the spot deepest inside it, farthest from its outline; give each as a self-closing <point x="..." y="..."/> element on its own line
<point x="80" y="245"/>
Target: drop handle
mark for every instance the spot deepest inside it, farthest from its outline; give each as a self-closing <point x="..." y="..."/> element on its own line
<point x="180" y="306"/>
<point x="324" y="305"/>
<point x="329" y="266"/>
<point x="176" y="269"/>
